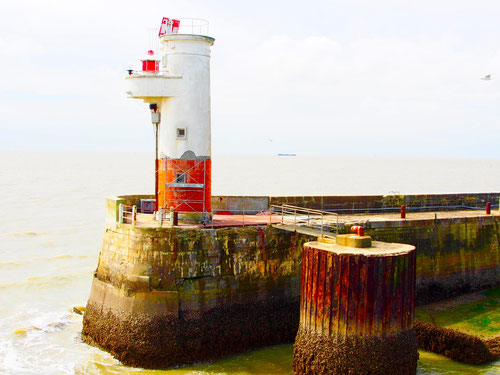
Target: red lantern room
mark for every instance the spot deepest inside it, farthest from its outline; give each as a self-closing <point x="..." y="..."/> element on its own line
<point x="149" y="63"/>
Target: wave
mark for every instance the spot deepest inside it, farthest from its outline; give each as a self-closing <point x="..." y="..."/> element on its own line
<point x="15" y="264"/>
<point x="38" y="259"/>
<point x="48" y="281"/>
<point x="56" y="232"/>
<point x="19" y="234"/>
<point x="52" y="280"/>
<point x="61" y="256"/>
<point x="34" y="347"/>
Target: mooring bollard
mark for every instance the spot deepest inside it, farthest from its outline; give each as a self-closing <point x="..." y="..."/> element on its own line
<point x="160" y="216"/>
<point x="360" y="231"/>
<point x="357" y="305"/>
<point x="403" y="211"/>
<point x="120" y="213"/>
<point x="174" y="217"/>
<point x="488" y="208"/>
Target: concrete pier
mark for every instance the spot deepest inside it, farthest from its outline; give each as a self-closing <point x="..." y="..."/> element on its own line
<point x="160" y="293"/>
<point x="165" y="297"/>
<point x="357" y="308"/>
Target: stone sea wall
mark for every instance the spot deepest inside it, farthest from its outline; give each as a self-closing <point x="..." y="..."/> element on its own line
<point x="367" y="203"/>
<point x="454" y="256"/>
<point x="340" y="203"/>
<point x="171" y="296"/>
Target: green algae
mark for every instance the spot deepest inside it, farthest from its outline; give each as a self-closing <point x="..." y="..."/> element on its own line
<point x="492" y="293"/>
<point x="273" y="360"/>
<point x="476" y="313"/>
<point x="431" y="363"/>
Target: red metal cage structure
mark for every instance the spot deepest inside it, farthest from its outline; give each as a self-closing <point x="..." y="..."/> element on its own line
<point x="185" y="185"/>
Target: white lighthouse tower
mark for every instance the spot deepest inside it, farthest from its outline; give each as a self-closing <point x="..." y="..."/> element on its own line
<point x="177" y="88"/>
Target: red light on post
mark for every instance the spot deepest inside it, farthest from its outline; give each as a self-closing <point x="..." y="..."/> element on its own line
<point x="360" y="231"/>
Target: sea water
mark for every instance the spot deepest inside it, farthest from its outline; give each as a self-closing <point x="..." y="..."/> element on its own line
<point x="51" y="226"/>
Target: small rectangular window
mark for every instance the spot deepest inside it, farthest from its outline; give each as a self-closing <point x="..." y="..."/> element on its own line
<point x="181" y="133"/>
<point x="180" y="178"/>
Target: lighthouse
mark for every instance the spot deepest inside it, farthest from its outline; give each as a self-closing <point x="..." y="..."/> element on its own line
<point x="176" y="85"/>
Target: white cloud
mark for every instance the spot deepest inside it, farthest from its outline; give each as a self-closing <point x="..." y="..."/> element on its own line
<point x="306" y="77"/>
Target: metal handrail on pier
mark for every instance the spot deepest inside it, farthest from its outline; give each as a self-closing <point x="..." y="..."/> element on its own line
<point x="127" y="214"/>
<point x="325" y="223"/>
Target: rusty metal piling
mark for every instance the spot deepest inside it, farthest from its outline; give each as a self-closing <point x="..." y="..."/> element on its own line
<point x="357" y="307"/>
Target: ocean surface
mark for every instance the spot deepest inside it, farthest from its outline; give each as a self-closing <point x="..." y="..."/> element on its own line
<point x="51" y="229"/>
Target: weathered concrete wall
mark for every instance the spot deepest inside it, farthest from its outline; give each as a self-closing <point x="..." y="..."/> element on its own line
<point x="454" y="256"/>
<point x="164" y="297"/>
<point x="356" y="203"/>
<point x="252" y="204"/>
<point x="377" y="202"/>
<point x="239" y="204"/>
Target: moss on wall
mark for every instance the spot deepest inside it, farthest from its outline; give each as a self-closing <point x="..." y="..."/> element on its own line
<point x="170" y="296"/>
<point x="454" y="256"/>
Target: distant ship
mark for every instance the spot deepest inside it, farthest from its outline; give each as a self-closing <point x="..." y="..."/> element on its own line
<point x="287" y="154"/>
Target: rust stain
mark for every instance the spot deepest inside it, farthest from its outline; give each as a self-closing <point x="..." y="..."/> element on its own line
<point x="365" y="295"/>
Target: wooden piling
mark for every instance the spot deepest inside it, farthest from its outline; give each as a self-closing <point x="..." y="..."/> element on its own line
<point x="356" y="310"/>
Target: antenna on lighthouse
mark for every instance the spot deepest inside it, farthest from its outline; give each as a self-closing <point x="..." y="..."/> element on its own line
<point x="152" y="38"/>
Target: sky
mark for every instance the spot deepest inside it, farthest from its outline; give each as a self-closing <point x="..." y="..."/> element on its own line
<point x="335" y="78"/>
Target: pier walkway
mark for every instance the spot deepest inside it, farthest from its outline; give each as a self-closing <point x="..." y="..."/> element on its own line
<point x="373" y="220"/>
<point x="313" y="224"/>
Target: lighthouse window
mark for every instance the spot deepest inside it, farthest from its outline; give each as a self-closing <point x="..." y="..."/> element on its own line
<point x="180" y="178"/>
<point x="181" y="133"/>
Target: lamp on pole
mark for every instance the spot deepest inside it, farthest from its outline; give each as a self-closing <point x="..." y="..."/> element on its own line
<point x="155" y="119"/>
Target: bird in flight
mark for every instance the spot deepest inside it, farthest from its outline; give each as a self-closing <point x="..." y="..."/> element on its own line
<point x="487" y="77"/>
